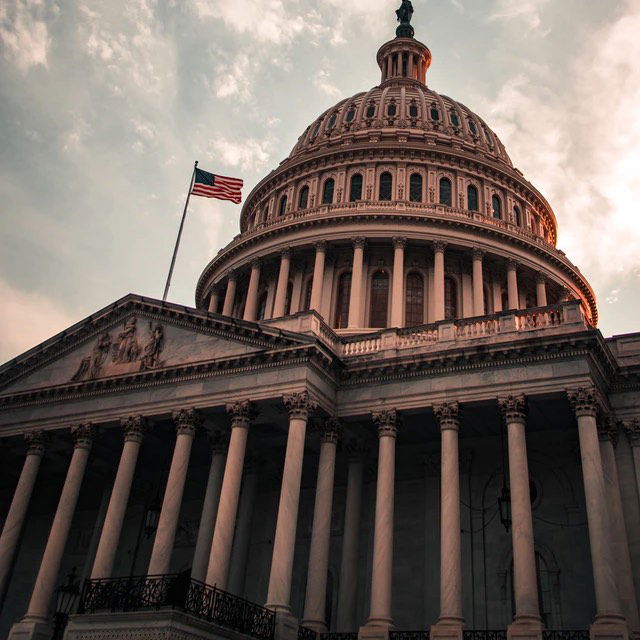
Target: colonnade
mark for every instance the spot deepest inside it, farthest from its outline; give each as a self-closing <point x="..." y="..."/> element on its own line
<point x="358" y="294"/>
<point x="612" y="574"/>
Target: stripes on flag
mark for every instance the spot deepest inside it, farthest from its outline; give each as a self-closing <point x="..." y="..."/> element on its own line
<point x="211" y="185"/>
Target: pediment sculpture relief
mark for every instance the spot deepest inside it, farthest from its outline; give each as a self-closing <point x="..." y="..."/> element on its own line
<point x="125" y="354"/>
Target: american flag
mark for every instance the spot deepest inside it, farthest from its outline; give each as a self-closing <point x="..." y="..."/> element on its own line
<point x="211" y="185"/>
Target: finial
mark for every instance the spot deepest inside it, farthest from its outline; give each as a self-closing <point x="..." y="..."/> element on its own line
<point x="404" y="13"/>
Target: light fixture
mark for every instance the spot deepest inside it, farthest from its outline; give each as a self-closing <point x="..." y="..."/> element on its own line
<point x="66" y="597"/>
<point x="504" y="499"/>
<point x="152" y="516"/>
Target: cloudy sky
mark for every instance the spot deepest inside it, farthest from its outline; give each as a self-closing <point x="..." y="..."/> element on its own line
<point x="105" y="106"/>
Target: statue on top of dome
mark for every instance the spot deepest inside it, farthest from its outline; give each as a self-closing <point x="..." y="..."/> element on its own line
<point x="404" y="13"/>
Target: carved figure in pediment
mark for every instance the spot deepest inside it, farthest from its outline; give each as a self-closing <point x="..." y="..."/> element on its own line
<point x="152" y="349"/>
<point x="91" y="365"/>
<point x="126" y="347"/>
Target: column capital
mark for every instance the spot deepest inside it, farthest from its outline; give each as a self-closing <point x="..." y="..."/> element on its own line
<point x="241" y="412"/>
<point x="37" y="442"/>
<point x="299" y="405"/>
<point x="83" y="435"/>
<point x="632" y="429"/>
<point x="134" y="428"/>
<point x="512" y="264"/>
<point x="448" y="415"/>
<point x="541" y="277"/>
<point x="356" y="449"/>
<point x="513" y="408"/>
<point x="387" y="422"/>
<point x="330" y="430"/>
<point x="399" y="242"/>
<point x="285" y="253"/>
<point x="583" y="401"/>
<point x="478" y="253"/>
<point x="218" y="439"/>
<point x="321" y="245"/>
<point x="232" y="274"/>
<point x="187" y="421"/>
<point x="358" y="243"/>
<point x="607" y="429"/>
<point x="439" y="246"/>
<point x="255" y="263"/>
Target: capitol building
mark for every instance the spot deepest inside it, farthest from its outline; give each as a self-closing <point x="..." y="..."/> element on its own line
<point x="390" y="414"/>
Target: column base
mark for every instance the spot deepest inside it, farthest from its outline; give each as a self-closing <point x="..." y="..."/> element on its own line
<point x="317" y="625"/>
<point x="375" y="630"/>
<point x="286" y="625"/>
<point x="525" y="629"/>
<point x="447" y="629"/>
<point x="609" y="628"/>
<point x="31" y="630"/>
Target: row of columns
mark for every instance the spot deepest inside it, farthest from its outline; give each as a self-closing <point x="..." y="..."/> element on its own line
<point x="356" y="300"/>
<point x="613" y="580"/>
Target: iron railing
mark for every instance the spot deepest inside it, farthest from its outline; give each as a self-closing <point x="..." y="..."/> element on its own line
<point x="178" y="591"/>
<point x="422" y="634"/>
<point x="304" y="633"/>
<point x="582" y="634"/>
<point x="484" y="634"/>
<point x="345" y="635"/>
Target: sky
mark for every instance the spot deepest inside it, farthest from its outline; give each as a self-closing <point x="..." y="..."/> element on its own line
<point x="104" y="107"/>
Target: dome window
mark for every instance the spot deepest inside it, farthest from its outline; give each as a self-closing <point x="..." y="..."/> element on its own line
<point x="414" y="300"/>
<point x="351" y="114"/>
<point x="413" y="110"/>
<point x="472" y="198"/>
<point x="415" y="188"/>
<point x="282" y="209"/>
<point x="327" y="191"/>
<point x="342" y="302"/>
<point x="445" y="192"/>
<point x="303" y="199"/>
<point x="332" y="121"/>
<point x="371" y="110"/>
<point x="496" y="204"/>
<point x="355" y="187"/>
<point x="379" y="300"/>
<point x="487" y="136"/>
<point x="473" y="128"/>
<point x="517" y="216"/>
<point x="435" y="114"/>
<point x="455" y="121"/>
<point x="450" y="299"/>
<point x="316" y="130"/>
<point x="391" y="109"/>
<point x="386" y="186"/>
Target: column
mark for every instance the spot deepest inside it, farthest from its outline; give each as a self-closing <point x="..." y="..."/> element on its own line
<point x="609" y="619"/>
<point x="36" y="441"/>
<point x="451" y="620"/>
<point x="527" y="621"/>
<point x="218" y="571"/>
<point x="348" y="585"/>
<point x="438" y="280"/>
<point x="283" y="282"/>
<point x="46" y="582"/>
<point x="541" y="290"/>
<point x="355" y="301"/>
<point x="478" y="284"/>
<point x="608" y="436"/>
<point x="213" y="301"/>
<point x="315" y="597"/>
<point x="279" y="593"/>
<point x="512" y="284"/>
<point x="397" y="289"/>
<point x="242" y="537"/>
<point x="318" y="275"/>
<point x="251" y="306"/>
<point x="632" y="429"/>
<point x="380" y="619"/>
<point x="134" y="428"/>
<point x="629" y="480"/>
<point x="219" y="440"/>
<point x="230" y="295"/>
<point x="187" y="421"/>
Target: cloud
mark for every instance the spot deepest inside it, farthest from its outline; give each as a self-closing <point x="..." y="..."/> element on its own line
<point x="322" y="81"/>
<point x="27" y="319"/>
<point x="251" y="155"/>
<point x="527" y="11"/>
<point x="24" y="34"/>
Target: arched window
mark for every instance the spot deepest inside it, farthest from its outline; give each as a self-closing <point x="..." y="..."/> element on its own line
<point x="413" y="110"/>
<point x="486" y="296"/>
<point x="316" y="130"/>
<point x="455" y="120"/>
<point x="415" y="187"/>
<point x="303" y="199"/>
<point x="386" y="186"/>
<point x="332" y="121"/>
<point x="391" y="109"/>
<point x="379" y="300"/>
<point x="487" y="136"/>
<point x="306" y="303"/>
<point x="517" y="216"/>
<point x="472" y="198"/>
<point x="371" y="110"/>
<point x="282" y="209"/>
<point x="351" y="114"/>
<point x="414" y="304"/>
<point x="327" y="191"/>
<point x="355" y="187"/>
<point x="262" y="305"/>
<point x="342" y="302"/>
<point x="445" y="191"/>
<point x="473" y="128"/>
<point x="450" y="299"/>
<point x="496" y="204"/>
<point x="435" y="114"/>
<point x="287" y="300"/>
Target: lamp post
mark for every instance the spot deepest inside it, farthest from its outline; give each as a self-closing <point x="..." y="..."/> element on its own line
<point x="66" y="597"/>
<point x="504" y="500"/>
<point x="148" y="527"/>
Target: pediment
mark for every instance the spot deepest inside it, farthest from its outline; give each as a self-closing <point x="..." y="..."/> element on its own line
<point x="131" y="339"/>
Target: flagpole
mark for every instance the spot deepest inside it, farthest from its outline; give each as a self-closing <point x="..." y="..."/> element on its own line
<point x="175" y="250"/>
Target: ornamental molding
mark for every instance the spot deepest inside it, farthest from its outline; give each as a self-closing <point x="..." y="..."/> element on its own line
<point x="241" y="412"/>
<point x="447" y="415"/>
<point x="83" y="435"/>
<point x="299" y="405"/>
<point x="584" y="401"/>
<point x="330" y="430"/>
<point x="387" y="422"/>
<point x="187" y="421"/>
<point x="218" y="439"/>
<point x="37" y="441"/>
<point x="632" y="430"/>
<point x="513" y="408"/>
<point x="135" y="428"/>
<point x="607" y="428"/>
